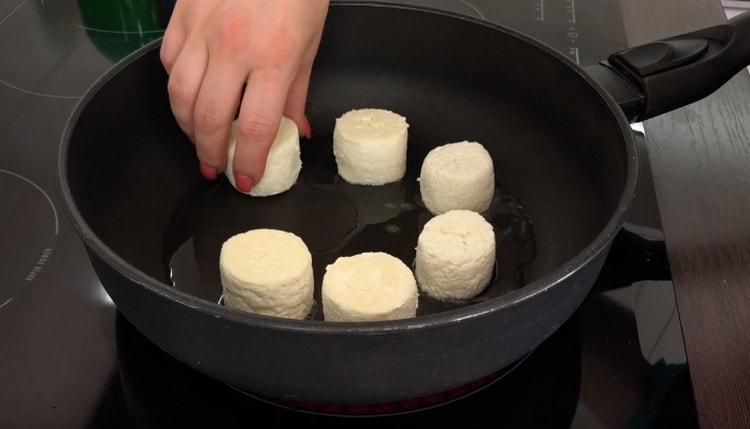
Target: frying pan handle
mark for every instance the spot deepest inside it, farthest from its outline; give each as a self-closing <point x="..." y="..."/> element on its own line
<point x="657" y="77"/>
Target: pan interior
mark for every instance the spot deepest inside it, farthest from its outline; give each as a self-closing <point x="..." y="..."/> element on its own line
<point x="559" y="156"/>
<point x="334" y="219"/>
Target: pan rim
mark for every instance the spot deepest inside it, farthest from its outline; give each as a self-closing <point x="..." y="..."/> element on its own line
<point x="474" y="311"/>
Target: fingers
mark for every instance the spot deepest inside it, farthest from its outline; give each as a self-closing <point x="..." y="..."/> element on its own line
<point x="185" y="81"/>
<point x="217" y="102"/>
<point x="258" y="123"/>
<point x="211" y="48"/>
<point x="174" y="38"/>
<point x="296" y="100"/>
<point x="171" y="46"/>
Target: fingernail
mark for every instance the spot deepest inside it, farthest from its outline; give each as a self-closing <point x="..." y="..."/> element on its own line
<point x="244" y="183"/>
<point x="208" y="172"/>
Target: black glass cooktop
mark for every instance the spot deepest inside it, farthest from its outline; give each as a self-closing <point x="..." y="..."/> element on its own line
<point x="67" y="359"/>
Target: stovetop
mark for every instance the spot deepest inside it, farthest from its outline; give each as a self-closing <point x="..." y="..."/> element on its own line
<point x="68" y="359"/>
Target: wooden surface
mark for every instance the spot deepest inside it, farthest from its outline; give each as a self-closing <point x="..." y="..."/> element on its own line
<point x="700" y="157"/>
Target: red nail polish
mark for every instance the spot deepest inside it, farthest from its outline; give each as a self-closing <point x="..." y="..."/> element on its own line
<point x="208" y="172"/>
<point x="244" y="183"/>
<point x="307" y="132"/>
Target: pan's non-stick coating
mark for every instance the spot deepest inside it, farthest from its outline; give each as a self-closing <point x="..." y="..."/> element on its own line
<point x="557" y="146"/>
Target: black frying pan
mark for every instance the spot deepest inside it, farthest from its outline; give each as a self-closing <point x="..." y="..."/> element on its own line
<point x="565" y="164"/>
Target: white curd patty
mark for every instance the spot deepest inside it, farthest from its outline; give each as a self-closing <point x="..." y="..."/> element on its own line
<point x="370" y="146"/>
<point x="267" y="271"/>
<point x="457" y="176"/>
<point x="455" y="255"/>
<point x="368" y="286"/>
<point x="282" y="166"/>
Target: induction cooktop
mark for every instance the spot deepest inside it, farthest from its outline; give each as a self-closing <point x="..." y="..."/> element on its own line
<point x="68" y="359"/>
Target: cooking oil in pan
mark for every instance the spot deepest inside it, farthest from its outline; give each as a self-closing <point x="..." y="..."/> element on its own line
<point x="334" y="219"/>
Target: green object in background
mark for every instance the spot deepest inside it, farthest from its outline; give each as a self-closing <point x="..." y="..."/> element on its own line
<point x="118" y="27"/>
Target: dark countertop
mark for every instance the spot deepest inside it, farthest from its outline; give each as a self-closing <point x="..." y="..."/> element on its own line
<point x="700" y="158"/>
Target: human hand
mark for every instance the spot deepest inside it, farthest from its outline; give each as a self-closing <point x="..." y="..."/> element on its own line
<point x="212" y="47"/>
